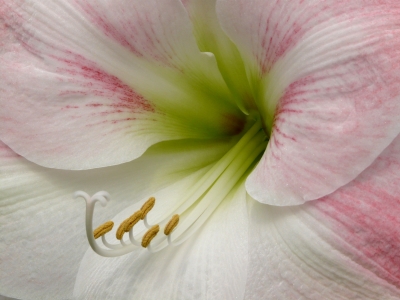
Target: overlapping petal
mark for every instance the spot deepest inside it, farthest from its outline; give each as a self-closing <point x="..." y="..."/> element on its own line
<point x="79" y="78"/>
<point x="344" y="246"/>
<point x="325" y="77"/>
<point x="42" y="229"/>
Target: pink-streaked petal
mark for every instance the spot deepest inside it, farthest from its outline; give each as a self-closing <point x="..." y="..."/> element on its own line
<point x="42" y="228"/>
<point x="365" y="215"/>
<point x="72" y="92"/>
<point x="160" y="33"/>
<point x="71" y="118"/>
<point x="343" y="246"/>
<point x="210" y="265"/>
<point x="326" y="78"/>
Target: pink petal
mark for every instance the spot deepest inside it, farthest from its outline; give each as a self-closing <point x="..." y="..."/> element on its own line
<point x="343" y="246"/>
<point x="327" y="84"/>
<point x="86" y="85"/>
<point x="365" y="215"/>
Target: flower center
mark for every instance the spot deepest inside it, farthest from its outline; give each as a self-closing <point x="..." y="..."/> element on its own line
<point x="188" y="214"/>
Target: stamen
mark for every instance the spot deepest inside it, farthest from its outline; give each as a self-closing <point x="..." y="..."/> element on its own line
<point x="171" y="224"/>
<point x="133" y="240"/>
<point x="250" y="139"/>
<point x="121" y="230"/>
<point x="219" y="191"/>
<point x="147" y="206"/>
<point x="123" y="242"/>
<point x="149" y="235"/>
<point x="132" y="220"/>
<point x="193" y="209"/>
<point x="103" y="229"/>
<point x="108" y="245"/>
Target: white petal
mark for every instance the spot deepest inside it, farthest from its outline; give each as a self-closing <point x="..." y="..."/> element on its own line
<point x="210" y="265"/>
<point x="42" y="229"/>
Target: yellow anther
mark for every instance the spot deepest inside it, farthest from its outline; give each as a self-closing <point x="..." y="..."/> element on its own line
<point x="171" y="224"/>
<point x="132" y="220"/>
<point x="103" y="229"/>
<point x="149" y="235"/>
<point x="121" y="230"/>
<point x="147" y="206"/>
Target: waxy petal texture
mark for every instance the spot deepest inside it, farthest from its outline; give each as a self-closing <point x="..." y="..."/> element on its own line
<point x="89" y="84"/>
<point x="325" y="76"/>
<point x="211" y="265"/>
<point x="42" y="228"/>
<point x="343" y="246"/>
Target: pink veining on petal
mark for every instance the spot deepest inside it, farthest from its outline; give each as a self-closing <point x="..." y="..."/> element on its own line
<point x="100" y="83"/>
<point x="132" y="29"/>
<point x="277" y="39"/>
<point x="278" y="26"/>
<point x="334" y="120"/>
<point x="365" y="216"/>
<point x="70" y="106"/>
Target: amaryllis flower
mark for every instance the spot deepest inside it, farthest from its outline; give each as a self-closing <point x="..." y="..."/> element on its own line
<point x="270" y="128"/>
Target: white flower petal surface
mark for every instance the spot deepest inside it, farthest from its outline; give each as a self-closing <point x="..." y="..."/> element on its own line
<point x="210" y="265"/>
<point x="325" y="77"/>
<point x="42" y="228"/>
<point x="88" y="84"/>
<point x="343" y="246"/>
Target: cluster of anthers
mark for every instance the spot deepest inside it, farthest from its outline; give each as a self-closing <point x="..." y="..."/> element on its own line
<point x="125" y="227"/>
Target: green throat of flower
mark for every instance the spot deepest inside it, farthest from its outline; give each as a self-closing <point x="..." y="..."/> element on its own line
<point x="190" y="212"/>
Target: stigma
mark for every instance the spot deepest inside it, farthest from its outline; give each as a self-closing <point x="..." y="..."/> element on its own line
<point x="191" y="211"/>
